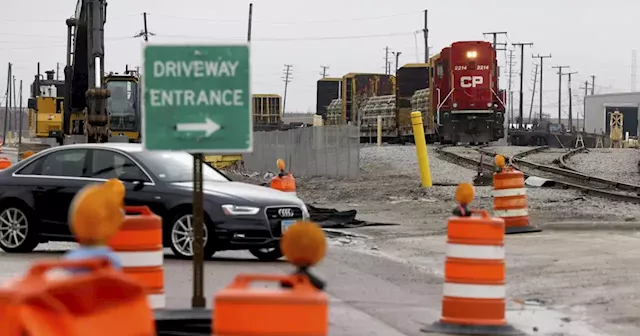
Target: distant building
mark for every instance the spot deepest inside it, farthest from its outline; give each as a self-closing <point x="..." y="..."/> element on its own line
<point x="599" y="108"/>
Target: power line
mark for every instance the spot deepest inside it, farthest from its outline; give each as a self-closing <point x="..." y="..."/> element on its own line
<point x="365" y="18"/>
<point x="288" y="76"/>
<point x="318" y="38"/>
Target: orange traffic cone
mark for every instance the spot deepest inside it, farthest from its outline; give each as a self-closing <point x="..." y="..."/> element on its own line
<point x="510" y="198"/>
<point x="138" y="244"/>
<point x="4" y="163"/>
<point x="474" y="292"/>
<point x="284" y="181"/>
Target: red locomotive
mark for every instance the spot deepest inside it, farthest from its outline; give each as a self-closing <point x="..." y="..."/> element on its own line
<point x="467" y="103"/>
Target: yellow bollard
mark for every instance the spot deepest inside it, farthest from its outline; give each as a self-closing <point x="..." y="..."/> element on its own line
<point x="379" y="131"/>
<point x="421" y="149"/>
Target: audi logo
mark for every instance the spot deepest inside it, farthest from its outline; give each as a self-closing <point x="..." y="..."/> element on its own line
<point x="285" y="212"/>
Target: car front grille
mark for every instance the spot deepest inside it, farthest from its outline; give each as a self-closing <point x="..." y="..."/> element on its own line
<point x="276" y="214"/>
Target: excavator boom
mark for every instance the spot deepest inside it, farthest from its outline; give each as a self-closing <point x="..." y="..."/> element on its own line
<point x="85" y="92"/>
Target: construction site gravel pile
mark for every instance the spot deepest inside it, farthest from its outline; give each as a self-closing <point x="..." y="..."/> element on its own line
<point x="618" y="164"/>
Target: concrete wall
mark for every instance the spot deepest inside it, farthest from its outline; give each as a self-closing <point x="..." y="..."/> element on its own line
<point x="327" y="151"/>
<point x="595" y="116"/>
<point x="306" y="118"/>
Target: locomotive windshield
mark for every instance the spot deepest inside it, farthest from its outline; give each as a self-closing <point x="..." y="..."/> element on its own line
<point x="122" y="105"/>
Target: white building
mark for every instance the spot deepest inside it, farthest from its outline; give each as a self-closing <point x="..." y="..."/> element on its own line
<point x="599" y="107"/>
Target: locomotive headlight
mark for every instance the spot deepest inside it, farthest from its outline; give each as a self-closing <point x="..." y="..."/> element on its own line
<point x="489" y="104"/>
<point x="472" y="54"/>
<point x="455" y="105"/>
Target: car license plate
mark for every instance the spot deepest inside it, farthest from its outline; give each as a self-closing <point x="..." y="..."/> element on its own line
<point x="285" y="224"/>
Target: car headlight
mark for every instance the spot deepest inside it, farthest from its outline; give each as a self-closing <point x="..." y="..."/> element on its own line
<point x="239" y="210"/>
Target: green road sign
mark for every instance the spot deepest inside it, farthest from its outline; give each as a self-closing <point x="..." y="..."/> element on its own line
<point x="197" y="98"/>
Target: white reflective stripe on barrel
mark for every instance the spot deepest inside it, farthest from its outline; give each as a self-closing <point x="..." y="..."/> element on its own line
<point x="141" y="258"/>
<point x="511" y="213"/>
<point x="484" y="252"/>
<point x="474" y="291"/>
<point x="509" y="192"/>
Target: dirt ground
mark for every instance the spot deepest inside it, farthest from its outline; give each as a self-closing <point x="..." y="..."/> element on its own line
<point x="590" y="276"/>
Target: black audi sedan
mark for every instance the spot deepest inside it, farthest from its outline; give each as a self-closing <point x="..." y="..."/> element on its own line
<point x="35" y="195"/>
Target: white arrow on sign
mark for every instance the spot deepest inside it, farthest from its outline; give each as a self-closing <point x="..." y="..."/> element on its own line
<point x="208" y="126"/>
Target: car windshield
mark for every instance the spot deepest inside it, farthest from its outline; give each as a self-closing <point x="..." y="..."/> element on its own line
<point x="176" y="166"/>
<point x="122" y="105"/>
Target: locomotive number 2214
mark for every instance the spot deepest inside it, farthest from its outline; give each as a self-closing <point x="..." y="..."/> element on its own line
<point x="464" y="67"/>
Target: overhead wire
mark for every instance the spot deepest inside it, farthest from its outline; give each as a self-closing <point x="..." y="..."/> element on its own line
<point x="365" y="18"/>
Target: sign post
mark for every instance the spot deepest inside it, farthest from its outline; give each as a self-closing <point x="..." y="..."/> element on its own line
<point x="197" y="98"/>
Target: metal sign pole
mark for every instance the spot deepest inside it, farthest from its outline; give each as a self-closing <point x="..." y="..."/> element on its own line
<point x="198" y="300"/>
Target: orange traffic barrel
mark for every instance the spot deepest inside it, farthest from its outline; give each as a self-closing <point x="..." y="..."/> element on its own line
<point x="299" y="310"/>
<point x="510" y="199"/>
<point x="4" y="163"/>
<point x="138" y="245"/>
<point x="284" y="181"/>
<point x="474" y="291"/>
<point x="103" y="300"/>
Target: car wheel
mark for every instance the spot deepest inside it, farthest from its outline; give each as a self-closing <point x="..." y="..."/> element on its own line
<point x="18" y="233"/>
<point x="182" y="237"/>
<point x="267" y="254"/>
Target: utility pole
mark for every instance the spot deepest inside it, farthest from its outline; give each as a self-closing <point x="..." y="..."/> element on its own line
<point x="144" y="33"/>
<point x="425" y="30"/>
<point x="57" y="72"/>
<point x="593" y="85"/>
<point x="15" y="103"/>
<point x="250" y="22"/>
<point x="20" y="116"/>
<point x="497" y="46"/>
<point x="324" y="71"/>
<point x="288" y="69"/>
<point x="560" y="67"/>
<point x="397" y="94"/>
<point x="387" y="64"/>
<point x="570" y="101"/>
<point x="541" y="57"/>
<point x="521" y="102"/>
<point x="7" y="102"/>
<point x="584" y="103"/>
<point x="510" y="63"/>
<point x="533" y="94"/>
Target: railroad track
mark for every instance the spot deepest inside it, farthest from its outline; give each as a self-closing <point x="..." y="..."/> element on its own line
<point x="571" y="179"/>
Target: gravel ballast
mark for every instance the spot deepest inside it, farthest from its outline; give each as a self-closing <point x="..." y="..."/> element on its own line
<point x="618" y="164"/>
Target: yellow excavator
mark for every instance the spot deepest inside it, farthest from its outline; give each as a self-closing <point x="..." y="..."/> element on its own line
<point x="89" y="105"/>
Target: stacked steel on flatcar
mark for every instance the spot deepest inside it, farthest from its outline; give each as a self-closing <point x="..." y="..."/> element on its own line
<point x="468" y="103"/>
<point x="357" y="88"/>
<point x="267" y="112"/>
<point x="411" y="79"/>
<point x="355" y="91"/>
<point x="328" y="89"/>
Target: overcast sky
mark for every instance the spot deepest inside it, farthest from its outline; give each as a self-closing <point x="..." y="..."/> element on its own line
<point x="593" y="37"/>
